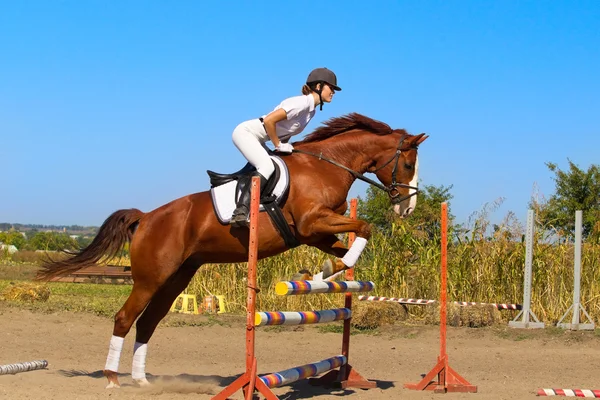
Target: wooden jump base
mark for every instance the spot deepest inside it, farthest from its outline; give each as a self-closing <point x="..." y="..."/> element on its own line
<point x="569" y="392"/>
<point x="400" y="300"/>
<point x="250" y="381"/>
<point x="98" y="274"/>
<point x="448" y="380"/>
<point x="22" y="367"/>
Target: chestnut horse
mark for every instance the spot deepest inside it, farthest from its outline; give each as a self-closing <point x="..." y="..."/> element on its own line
<point x="170" y="243"/>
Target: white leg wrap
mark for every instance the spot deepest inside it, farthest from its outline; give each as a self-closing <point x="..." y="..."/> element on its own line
<point x="138" y="369"/>
<point x="354" y="252"/>
<point x="114" y="353"/>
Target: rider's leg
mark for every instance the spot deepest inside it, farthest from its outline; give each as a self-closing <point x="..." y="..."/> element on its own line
<point x="249" y="140"/>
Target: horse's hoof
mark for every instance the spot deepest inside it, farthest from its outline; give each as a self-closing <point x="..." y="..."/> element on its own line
<point x="113" y="381"/>
<point x="112" y="385"/>
<point x="303" y="275"/>
<point x="327" y="269"/>
<point x="141" y="382"/>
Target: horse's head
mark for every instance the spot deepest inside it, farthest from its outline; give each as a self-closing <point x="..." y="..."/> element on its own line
<point x="397" y="167"/>
<point x="371" y="146"/>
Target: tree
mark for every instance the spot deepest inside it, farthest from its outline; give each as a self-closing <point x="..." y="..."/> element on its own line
<point x="83" y="241"/>
<point x="13" y="237"/>
<point x="377" y="210"/>
<point x="576" y="189"/>
<point x="52" y="241"/>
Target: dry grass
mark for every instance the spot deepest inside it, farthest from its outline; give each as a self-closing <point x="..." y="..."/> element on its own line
<point x="26" y="291"/>
<point x="104" y="300"/>
<point x="17" y="272"/>
<point x="476" y="316"/>
<point x="374" y="315"/>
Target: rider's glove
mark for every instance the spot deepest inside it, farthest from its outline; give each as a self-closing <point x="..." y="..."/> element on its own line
<point x="284" y="148"/>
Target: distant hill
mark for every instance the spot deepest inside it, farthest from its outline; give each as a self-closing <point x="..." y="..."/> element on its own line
<point x="70" y="229"/>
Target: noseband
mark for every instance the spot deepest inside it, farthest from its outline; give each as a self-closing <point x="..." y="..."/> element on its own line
<point x="391" y="189"/>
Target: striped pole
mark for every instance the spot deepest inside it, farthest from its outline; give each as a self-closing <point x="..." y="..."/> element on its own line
<point x="569" y="392"/>
<point x="500" y="306"/>
<point x="395" y="300"/>
<point x="286" y="288"/>
<point x="305" y="371"/>
<point x="22" y="367"/>
<point x="301" y="317"/>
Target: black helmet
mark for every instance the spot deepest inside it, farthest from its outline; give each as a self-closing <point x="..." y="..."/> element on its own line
<point x="323" y="75"/>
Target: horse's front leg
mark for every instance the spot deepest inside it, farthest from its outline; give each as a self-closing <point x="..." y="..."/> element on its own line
<point x="330" y="224"/>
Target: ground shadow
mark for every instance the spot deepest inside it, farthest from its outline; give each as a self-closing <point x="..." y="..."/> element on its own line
<point x="304" y="389"/>
<point x="188" y="383"/>
<point x="181" y="378"/>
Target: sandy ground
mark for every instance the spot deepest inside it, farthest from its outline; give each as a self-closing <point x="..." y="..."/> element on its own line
<point x="196" y="362"/>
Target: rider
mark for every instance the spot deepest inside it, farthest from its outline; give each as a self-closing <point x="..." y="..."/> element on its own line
<point x="288" y="119"/>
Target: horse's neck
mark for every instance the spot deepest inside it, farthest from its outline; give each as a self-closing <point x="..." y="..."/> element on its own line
<point x="354" y="151"/>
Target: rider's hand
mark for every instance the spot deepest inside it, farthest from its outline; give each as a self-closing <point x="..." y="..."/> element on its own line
<point x="284" y="148"/>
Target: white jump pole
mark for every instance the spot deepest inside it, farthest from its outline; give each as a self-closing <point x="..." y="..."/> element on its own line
<point x="11" y="369"/>
<point x="526" y="312"/>
<point x="576" y="306"/>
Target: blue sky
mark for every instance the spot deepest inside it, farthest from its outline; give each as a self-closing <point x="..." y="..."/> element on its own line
<point x="117" y="104"/>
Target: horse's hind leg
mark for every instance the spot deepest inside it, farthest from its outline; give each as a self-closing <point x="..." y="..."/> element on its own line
<point x="157" y="309"/>
<point x="137" y="300"/>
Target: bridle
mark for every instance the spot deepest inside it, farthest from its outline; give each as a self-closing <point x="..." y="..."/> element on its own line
<point x="392" y="188"/>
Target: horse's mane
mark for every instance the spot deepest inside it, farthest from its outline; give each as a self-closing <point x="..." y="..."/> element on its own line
<point x="337" y="125"/>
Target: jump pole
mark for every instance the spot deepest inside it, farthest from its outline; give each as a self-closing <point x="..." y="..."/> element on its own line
<point x="409" y="301"/>
<point x="448" y="380"/>
<point x="569" y="392"/>
<point x="249" y="381"/>
<point x="11" y="369"/>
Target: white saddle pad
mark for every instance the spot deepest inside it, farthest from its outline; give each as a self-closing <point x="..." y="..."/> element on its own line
<point x="224" y="200"/>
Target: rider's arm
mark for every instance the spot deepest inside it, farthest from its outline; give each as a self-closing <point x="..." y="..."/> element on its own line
<point x="270" y="121"/>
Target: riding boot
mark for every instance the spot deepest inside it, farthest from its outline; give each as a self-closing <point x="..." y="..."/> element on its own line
<point x="263" y="185"/>
<point x="241" y="215"/>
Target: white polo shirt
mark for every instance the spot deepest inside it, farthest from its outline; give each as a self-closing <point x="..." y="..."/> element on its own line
<point x="299" y="110"/>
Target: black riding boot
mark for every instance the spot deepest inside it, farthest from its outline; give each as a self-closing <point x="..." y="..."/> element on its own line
<point x="241" y="215"/>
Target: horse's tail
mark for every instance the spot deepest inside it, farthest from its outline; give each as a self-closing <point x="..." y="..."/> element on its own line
<point x="116" y="230"/>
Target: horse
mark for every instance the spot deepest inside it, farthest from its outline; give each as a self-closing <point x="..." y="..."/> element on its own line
<point x="170" y="243"/>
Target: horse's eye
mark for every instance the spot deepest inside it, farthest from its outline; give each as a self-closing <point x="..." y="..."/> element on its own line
<point x="408" y="166"/>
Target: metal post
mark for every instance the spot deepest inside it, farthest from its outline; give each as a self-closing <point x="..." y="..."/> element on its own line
<point x="577" y="307"/>
<point x="526" y="311"/>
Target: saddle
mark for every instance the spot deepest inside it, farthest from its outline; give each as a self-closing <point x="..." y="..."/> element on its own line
<point x="227" y="189"/>
<point x="218" y="179"/>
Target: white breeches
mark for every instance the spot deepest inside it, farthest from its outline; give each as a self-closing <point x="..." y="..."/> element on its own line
<point x="249" y="137"/>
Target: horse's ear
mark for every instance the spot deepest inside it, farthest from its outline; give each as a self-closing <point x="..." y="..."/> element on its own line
<point x="421" y="138"/>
